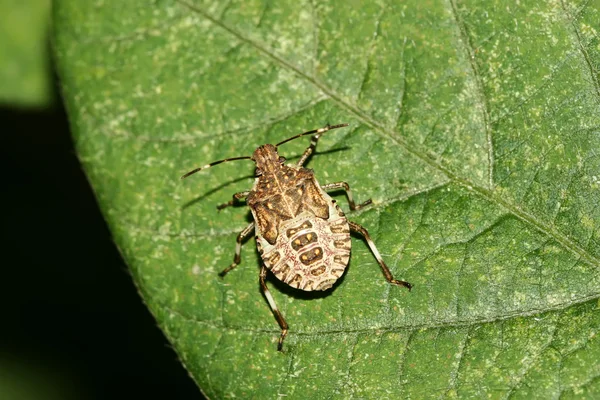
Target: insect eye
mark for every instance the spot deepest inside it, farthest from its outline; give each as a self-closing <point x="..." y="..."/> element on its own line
<point x="282" y="159"/>
<point x="257" y="172"/>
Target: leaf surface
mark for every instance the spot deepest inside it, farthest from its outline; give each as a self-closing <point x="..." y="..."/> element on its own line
<point x="474" y="128"/>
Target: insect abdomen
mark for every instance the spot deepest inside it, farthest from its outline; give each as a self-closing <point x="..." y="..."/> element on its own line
<point x="310" y="253"/>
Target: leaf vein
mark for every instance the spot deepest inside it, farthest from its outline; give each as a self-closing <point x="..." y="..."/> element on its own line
<point x="413" y="327"/>
<point x="594" y="73"/>
<point x="529" y="365"/>
<point x="370" y="51"/>
<point x="480" y="92"/>
<point x="460" y="355"/>
<point x="484" y="192"/>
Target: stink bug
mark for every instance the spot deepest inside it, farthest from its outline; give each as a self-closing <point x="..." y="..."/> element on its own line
<point x="301" y="233"/>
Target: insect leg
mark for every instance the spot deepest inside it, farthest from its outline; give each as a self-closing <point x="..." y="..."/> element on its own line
<point x="313" y="141"/>
<point x="278" y="315"/>
<point x="238" y="248"/>
<point x="354" y="227"/>
<point x="346" y="187"/>
<point x="309" y="150"/>
<point x="236" y="197"/>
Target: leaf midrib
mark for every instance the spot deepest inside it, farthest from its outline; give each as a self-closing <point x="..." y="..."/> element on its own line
<point x="385" y="329"/>
<point x="483" y="192"/>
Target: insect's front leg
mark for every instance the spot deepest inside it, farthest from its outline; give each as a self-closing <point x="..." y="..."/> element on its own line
<point x="354" y="227"/>
<point x="238" y="248"/>
<point x="313" y="143"/>
<point x="278" y="316"/>
<point x="235" y="199"/>
<point x="346" y="187"/>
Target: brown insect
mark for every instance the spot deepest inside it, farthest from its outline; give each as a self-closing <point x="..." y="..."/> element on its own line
<point x="301" y="233"/>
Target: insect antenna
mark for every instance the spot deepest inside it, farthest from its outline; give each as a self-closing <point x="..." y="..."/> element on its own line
<point x="320" y="130"/>
<point x="212" y="164"/>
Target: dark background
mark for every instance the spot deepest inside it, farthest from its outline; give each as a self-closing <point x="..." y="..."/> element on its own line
<point x="72" y="322"/>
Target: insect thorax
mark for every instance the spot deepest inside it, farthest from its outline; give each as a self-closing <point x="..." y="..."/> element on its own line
<point x="310" y="252"/>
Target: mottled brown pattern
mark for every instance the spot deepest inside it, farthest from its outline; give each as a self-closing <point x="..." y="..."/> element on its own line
<point x="341" y="260"/>
<point x="281" y="193"/>
<point x="303" y="240"/>
<point x="295" y="281"/>
<point x="308" y="285"/>
<point x="311" y="256"/>
<point x="326" y="284"/>
<point x="339" y="228"/>
<point x="268" y="222"/>
<point x="318" y="271"/>
<point x="292" y="231"/>
<point x="342" y="244"/>
<point x="282" y="271"/>
<point x="312" y="199"/>
<point x="308" y="248"/>
<point x="274" y="258"/>
<point x="338" y="272"/>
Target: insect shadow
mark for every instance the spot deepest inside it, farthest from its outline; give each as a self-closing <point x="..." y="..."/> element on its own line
<point x="214" y="190"/>
<point x="317" y="153"/>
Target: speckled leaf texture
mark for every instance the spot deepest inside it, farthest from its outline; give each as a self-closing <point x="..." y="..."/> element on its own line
<point x="474" y="126"/>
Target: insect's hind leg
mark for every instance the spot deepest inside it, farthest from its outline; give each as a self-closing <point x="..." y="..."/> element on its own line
<point x="278" y="316"/>
<point x="354" y="227"/>
<point x="238" y="248"/>
<point x="235" y="198"/>
<point x="346" y="187"/>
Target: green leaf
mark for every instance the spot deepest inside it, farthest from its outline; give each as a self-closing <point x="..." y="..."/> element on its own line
<point x="474" y="127"/>
<point x="24" y="66"/>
